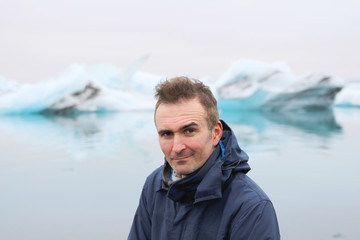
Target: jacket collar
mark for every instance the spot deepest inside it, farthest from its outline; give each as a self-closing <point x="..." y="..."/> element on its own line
<point x="197" y="185"/>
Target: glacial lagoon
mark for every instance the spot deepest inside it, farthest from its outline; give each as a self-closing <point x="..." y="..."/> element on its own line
<point x="80" y="177"/>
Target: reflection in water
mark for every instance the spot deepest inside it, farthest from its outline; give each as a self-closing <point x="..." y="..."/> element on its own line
<point x="262" y="129"/>
<point x="83" y="126"/>
<point x="83" y="134"/>
<point x="321" y="123"/>
<point x="102" y="134"/>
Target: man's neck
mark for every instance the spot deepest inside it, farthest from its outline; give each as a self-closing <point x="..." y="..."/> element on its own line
<point x="177" y="176"/>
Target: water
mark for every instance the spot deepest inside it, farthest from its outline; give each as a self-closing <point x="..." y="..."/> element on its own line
<point x="80" y="177"/>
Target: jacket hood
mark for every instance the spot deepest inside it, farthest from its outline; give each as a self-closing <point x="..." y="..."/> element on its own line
<point x="233" y="157"/>
<point x="206" y="183"/>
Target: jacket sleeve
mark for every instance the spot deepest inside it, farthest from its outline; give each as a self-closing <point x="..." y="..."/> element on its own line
<point x="258" y="222"/>
<point x="141" y="226"/>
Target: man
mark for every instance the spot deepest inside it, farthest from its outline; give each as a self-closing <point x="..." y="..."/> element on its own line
<point x="202" y="191"/>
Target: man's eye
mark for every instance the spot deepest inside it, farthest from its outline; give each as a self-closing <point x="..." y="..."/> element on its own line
<point x="165" y="134"/>
<point x="189" y="131"/>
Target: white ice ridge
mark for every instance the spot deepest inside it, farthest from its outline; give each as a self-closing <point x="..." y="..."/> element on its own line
<point x="103" y="88"/>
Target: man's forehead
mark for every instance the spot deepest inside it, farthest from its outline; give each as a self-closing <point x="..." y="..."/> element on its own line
<point x="183" y="106"/>
<point x="179" y="119"/>
<point x="179" y="114"/>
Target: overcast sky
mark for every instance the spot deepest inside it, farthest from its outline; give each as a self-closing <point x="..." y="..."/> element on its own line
<point x="39" y="39"/>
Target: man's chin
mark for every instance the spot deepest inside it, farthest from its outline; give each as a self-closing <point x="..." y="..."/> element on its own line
<point x="182" y="170"/>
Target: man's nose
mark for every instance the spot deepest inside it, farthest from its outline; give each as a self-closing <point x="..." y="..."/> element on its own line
<point x="178" y="144"/>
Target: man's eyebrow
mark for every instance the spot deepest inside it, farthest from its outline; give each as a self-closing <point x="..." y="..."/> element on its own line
<point x="189" y="125"/>
<point x="162" y="131"/>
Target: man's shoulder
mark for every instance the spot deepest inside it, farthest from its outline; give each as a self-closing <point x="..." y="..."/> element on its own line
<point x="245" y="189"/>
<point x="154" y="179"/>
<point x="253" y="208"/>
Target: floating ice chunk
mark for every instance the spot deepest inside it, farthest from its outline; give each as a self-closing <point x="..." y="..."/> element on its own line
<point x="258" y="71"/>
<point x="349" y="96"/>
<point x="256" y="85"/>
<point x="80" y="88"/>
<point x="34" y="98"/>
<point x="248" y="84"/>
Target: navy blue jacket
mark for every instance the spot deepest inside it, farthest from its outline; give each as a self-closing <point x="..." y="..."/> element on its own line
<point x="218" y="201"/>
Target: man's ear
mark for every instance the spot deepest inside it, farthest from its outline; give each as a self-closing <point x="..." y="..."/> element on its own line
<point x="217" y="133"/>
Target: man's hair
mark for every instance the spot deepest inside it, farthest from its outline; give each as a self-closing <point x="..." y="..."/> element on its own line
<point x="177" y="89"/>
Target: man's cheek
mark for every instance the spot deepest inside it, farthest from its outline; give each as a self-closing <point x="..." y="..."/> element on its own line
<point x="165" y="147"/>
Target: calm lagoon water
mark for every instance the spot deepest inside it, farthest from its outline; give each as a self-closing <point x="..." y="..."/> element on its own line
<point x="80" y="177"/>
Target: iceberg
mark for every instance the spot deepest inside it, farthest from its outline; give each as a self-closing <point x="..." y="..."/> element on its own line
<point x="245" y="85"/>
<point x="349" y="96"/>
<point x="81" y="88"/>
<point x="251" y="85"/>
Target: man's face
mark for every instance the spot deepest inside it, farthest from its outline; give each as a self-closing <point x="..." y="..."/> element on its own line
<point x="184" y="135"/>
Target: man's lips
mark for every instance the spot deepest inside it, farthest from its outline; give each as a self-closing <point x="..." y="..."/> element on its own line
<point x="182" y="158"/>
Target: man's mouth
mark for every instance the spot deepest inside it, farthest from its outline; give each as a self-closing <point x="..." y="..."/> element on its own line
<point x="181" y="158"/>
